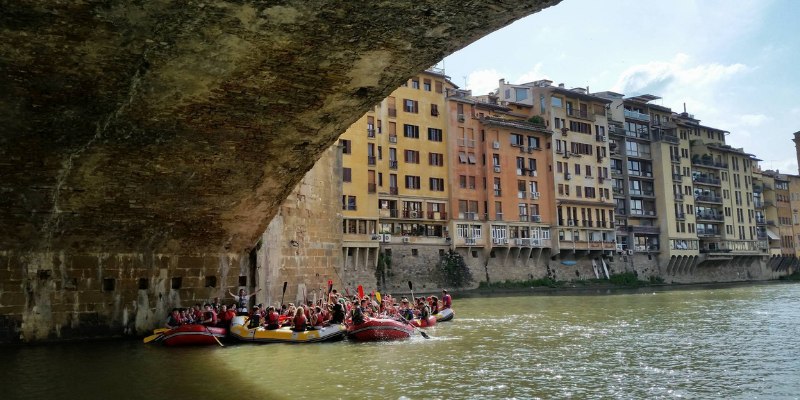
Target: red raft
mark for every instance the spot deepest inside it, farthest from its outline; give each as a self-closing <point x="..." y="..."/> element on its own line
<point x="423" y="323"/>
<point x="193" y="335"/>
<point x="377" y="329"/>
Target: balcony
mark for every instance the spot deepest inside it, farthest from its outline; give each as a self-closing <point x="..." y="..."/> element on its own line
<point x="677" y="177"/>
<point x="643" y="213"/>
<point x="707" y="180"/>
<point x="706" y="216"/>
<point x="581" y="114"/>
<point x="675" y="158"/>
<point x="616" y="130"/>
<point x="617" y="173"/>
<point x="637" y="115"/>
<point x="618" y="191"/>
<point x="639" y="154"/>
<point x="522" y="195"/>
<point x="372" y="188"/>
<point x="524" y="218"/>
<point x="392" y="112"/>
<point x="637" y="135"/>
<point x="706" y="232"/>
<point x="437" y="215"/>
<point x="469" y="216"/>
<point x="758" y="204"/>
<point x="680" y="216"/>
<point x="758" y="189"/>
<point x="392" y="164"/>
<point x="642" y="193"/>
<point x="678" y="196"/>
<point x="393" y="191"/>
<point x="392" y="138"/>
<point x="620" y="211"/>
<point x="648" y="230"/>
<point x="643" y="174"/>
<point x="670" y="139"/>
<point x="370" y="160"/>
<point x="708" y="199"/>
<point x="761" y="221"/>
<point x="413" y="214"/>
<point x="498" y="216"/>
<point x="704" y="162"/>
<point x="370" y="132"/>
<point x="388" y="213"/>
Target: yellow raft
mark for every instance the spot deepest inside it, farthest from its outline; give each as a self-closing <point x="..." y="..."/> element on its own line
<point x="240" y="331"/>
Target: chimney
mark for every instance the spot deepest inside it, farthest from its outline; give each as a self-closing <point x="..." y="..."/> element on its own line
<point x="561" y="85"/>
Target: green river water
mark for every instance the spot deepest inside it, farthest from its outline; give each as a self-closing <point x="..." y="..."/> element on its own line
<point x="739" y="342"/>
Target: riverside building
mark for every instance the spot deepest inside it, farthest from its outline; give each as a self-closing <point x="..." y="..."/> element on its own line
<point x="583" y="209"/>
<point x="500" y="183"/>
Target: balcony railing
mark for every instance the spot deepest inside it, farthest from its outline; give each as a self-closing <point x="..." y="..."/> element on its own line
<point x="652" y="230"/>
<point x="371" y="188"/>
<point x="392" y="164"/>
<point x="681" y="216"/>
<point x="437" y="215"/>
<point x="638" y="154"/>
<point x="678" y="196"/>
<point x="642" y="193"/>
<point x="758" y="204"/>
<point x="675" y="158"/>
<point x="370" y="132"/>
<point x="761" y="221"/>
<point x="709" y="216"/>
<point x="708" y="199"/>
<point x="637" y="135"/>
<point x="393" y="191"/>
<point x="707" y="232"/>
<point x="636" y="115"/>
<point x="709" y="163"/>
<point x="710" y="180"/>
<point x="392" y="138"/>
<point x="370" y="160"/>
<point x="644" y="213"/>
<point x="392" y="112"/>
<point x="677" y="177"/>
<point x="582" y="114"/>
<point x="645" y="174"/>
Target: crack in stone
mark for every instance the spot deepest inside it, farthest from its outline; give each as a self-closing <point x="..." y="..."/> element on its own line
<point x="52" y="223"/>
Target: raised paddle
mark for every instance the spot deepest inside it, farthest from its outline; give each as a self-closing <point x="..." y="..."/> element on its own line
<point x="360" y="292"/>
<point x="283" y="294"/>
<point x="411" y="288"/>
<point x="330" y="289"/>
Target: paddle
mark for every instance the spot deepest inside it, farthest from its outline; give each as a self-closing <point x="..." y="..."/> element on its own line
<point x="360" y="292"/>
<point x="330" y="289"/>
<point x="421" y="332"/>
<point x="283" y="294"/>
<point x="215" y="338"/>
<point x="153" y="337"/>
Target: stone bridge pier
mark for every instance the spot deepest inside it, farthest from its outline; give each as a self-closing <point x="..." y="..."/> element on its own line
<point x="145" y="146"/>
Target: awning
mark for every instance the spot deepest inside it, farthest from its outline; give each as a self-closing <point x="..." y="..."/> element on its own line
<point x="772" y="235"/>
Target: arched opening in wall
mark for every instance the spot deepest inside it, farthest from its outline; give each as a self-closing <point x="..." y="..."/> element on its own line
<point x="144" y="283"/>
<point x="176" y="283"/>
<point x="109" y="284"/>
<point x="211" y="281"/>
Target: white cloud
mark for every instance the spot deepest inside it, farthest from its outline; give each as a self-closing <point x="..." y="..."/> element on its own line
<point x="661" y="76"/>
<point x="484" y="81"/>
<point x="533" y="75"/>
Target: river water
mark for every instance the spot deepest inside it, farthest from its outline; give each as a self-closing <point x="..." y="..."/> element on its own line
<point x="739" y="342"/>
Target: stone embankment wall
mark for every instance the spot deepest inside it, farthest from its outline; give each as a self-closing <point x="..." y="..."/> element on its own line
<point x="48" y="296"/>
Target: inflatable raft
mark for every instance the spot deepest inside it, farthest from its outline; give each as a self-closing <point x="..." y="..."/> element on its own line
<point x="444" y="315"/>
<point x="423" y="323"/>
<point x="377" y="329"/>
<point x="193" y="335"/>
<point x="241" y="331"/>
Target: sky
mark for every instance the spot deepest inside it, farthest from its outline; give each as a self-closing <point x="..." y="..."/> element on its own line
<point x="735" y="64"/>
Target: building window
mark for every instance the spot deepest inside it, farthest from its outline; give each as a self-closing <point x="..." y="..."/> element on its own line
<point x="415" y="83"/>
<point x="349" y="203"/>
<point x="437" y="184"/>
<point x="426" y="85"/>
<point x="435" y="110"/>
<point x="434" y="135"/>
<point x="555" y="101"/>
<point x="346" y="146"/>
<point x="412" y="182"/>
<point x="436" y="159"/>
<point x="410" y="106"/>
<point x="347" y="175"/>
<point x="411" y="131"/>
<point x="411" y="156"/>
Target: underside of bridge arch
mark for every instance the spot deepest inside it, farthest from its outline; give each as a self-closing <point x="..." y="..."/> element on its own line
<point x="162" y="126"/>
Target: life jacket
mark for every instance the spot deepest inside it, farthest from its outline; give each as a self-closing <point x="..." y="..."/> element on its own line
<point x="338" y="314"/>
<point x="358" y="315"/>
<point x="255" y="320"/>
<point x="447" y="301"/>
<point x="241" y="303"/>
<point x="300" y="323"/>
<point x="210" y="315"/>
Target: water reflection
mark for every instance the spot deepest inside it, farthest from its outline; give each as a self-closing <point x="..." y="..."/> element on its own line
<point x="725" y="343"/>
